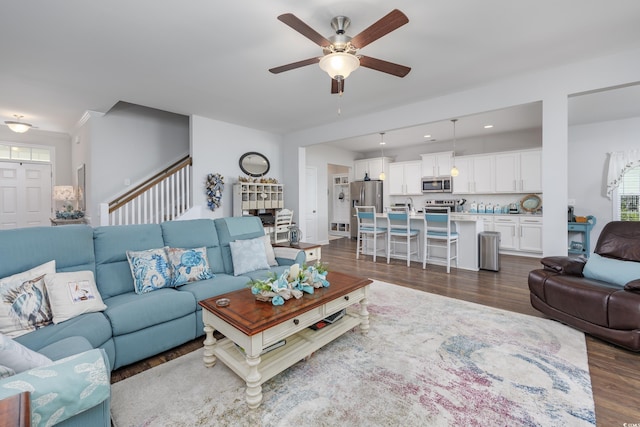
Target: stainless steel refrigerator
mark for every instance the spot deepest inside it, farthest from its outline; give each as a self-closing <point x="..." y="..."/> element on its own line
<point x="364" y="193"/>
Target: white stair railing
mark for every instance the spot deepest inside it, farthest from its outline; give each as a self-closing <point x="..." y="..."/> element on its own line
<point x="164" y="197"/>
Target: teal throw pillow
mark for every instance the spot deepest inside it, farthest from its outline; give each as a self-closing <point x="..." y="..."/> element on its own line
<point x="611" y="270"/>
<point x="150" y="270"/>
<point x="248" y="255"/>
<point x="189" y="265"/>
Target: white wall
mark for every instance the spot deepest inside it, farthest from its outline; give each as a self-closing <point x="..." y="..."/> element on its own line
<point x="321" y="157"/>
<point x="589" y="146"/>
<point x="216" y="147"/>
<point x="130" y="142"/>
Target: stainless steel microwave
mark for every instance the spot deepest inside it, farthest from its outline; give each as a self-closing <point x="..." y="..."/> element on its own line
<point x="437" y="184"/>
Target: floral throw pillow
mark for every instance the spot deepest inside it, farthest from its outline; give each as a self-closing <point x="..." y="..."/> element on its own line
<point x="150" y="270"/>
<point x="24" y="301"/>
<point x="189" y="265"/>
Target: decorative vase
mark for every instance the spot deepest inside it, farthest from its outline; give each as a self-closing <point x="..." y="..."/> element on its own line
<point x="366" y="176"/>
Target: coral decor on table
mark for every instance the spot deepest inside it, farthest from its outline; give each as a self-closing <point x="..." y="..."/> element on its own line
<point x="293" y="282"/>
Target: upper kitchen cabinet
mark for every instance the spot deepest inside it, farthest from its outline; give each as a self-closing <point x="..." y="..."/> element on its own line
<point x="437" y="164"/>
<point x="371" y="167"/>
<point x="519" y="172"/>
<point x="475" y="174"/>
<point x="405" y="178"/>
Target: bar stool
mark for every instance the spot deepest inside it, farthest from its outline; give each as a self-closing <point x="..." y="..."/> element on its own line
<point x="368" y="230"/>
<point x="399" y="230"/>
<point x="438" y="234"/>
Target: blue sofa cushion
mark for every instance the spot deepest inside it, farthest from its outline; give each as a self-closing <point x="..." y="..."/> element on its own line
<point x="219" y="285"/>
<point x="195" y="234"/>
<point x="95" y="327"/>
<point x="66" y="347"/>
<point x="113" y="275"/>
<point x="231" y="229"/>
<point x="131" y="312"/>
<point x="70" y="246"/>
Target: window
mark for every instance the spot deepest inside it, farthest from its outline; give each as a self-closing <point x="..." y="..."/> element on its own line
<point x="627" y="204"/>
<point x="16" y="152"/>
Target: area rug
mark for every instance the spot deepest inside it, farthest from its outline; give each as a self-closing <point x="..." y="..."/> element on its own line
<point x="427" y="360"/>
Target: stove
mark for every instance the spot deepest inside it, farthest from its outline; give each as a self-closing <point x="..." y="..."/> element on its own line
<point x="448" y="204"/>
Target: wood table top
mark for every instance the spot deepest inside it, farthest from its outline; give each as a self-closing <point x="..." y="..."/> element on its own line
<point x="251" y="316"/>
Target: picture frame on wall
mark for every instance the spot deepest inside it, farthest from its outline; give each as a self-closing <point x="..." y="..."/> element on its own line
<point x="82" y="200"/>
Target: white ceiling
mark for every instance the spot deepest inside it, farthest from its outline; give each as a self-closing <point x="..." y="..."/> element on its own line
<point x="210" y="58"/>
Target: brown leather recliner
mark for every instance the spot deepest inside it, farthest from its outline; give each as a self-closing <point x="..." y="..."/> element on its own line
<point x="598" y="308"/>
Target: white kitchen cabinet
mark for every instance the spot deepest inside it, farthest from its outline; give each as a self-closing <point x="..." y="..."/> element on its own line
<point x="475" y="175"/>
<point x="372" y="167"/>
<point x="530" y="234"/>
<point x="437" y="164"/>
<point x="519" y="233"/>
<point x="518" y="172"/>
<point x="508" y="228"/>
<point x="405" y="178"/>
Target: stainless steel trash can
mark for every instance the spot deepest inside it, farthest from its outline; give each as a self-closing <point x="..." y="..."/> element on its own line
<point x="489" y="242"/>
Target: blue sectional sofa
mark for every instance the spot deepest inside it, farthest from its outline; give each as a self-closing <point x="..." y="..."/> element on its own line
<point x="133" y="326"/>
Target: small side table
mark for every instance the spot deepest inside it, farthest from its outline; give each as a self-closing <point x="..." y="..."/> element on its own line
<point x="584" y="229"/>
<point x="15" y="411"/>
<point x="313" y="251"/>
<point x="60" y="221"/>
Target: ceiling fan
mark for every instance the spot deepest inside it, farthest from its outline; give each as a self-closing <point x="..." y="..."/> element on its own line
<point x="341" y="55"/>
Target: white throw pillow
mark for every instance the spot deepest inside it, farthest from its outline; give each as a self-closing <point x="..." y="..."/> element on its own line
<point x="72" y="294"/>
<point x="24" y="304"/>
<point x="248" y="255"/>
<point x="271" y="255"/>
<point x="15" y="356"/>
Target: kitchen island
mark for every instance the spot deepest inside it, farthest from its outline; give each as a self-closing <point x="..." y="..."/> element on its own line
<point x="467" y="226"/>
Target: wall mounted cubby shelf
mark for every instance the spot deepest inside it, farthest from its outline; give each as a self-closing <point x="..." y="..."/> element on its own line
<point x="340" y="222"/>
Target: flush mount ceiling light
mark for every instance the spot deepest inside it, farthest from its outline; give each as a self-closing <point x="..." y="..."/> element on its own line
<point x="454" y="169"/>
<point x="382" y="176"/>
<point x="18" y="126"/>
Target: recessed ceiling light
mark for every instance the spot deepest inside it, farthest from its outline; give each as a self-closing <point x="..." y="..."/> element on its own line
<point x="488" y="126"/>
<point x="427" y="136"/>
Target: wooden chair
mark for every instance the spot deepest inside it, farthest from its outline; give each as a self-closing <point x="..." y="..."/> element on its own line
<point x="284" y="218"/>
<point x="438" y="234"/>
<point x="368" y="230"/>
<point x="399" y="231"/>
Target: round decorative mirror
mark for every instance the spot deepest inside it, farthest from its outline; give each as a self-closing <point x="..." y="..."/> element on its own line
<point x="254" y="164"/>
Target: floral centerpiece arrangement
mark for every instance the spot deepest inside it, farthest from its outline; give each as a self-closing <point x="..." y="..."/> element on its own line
<point x="293" y="282"/>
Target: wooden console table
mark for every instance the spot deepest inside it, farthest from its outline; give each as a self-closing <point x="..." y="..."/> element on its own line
<point x="60" y="221"/>
<point x="15" y="411"/>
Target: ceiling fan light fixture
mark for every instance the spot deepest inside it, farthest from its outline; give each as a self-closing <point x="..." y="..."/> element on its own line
<point x="339" y="65"/>
<point x="17" y="126"/>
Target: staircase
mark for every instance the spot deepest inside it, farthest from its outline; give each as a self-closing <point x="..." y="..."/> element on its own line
<point x="163" y="197"/>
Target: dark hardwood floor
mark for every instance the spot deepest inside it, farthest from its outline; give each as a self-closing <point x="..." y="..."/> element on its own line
<point x="615" y="373"/>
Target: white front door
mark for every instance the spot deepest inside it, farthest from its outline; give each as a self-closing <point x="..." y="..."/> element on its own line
<point x="25" y="194"/>
<point x="311" y="205"/>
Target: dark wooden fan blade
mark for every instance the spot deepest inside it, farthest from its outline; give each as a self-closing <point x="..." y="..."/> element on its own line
<point x="336" y="86"/>
<point x="384" y="66"/>
<point x="392" y="21"/>
<point x="294" y="22"/>
<point x="294" y="65"/>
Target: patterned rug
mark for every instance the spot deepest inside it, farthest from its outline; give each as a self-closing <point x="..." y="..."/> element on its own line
<point x="428" y="360"/>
